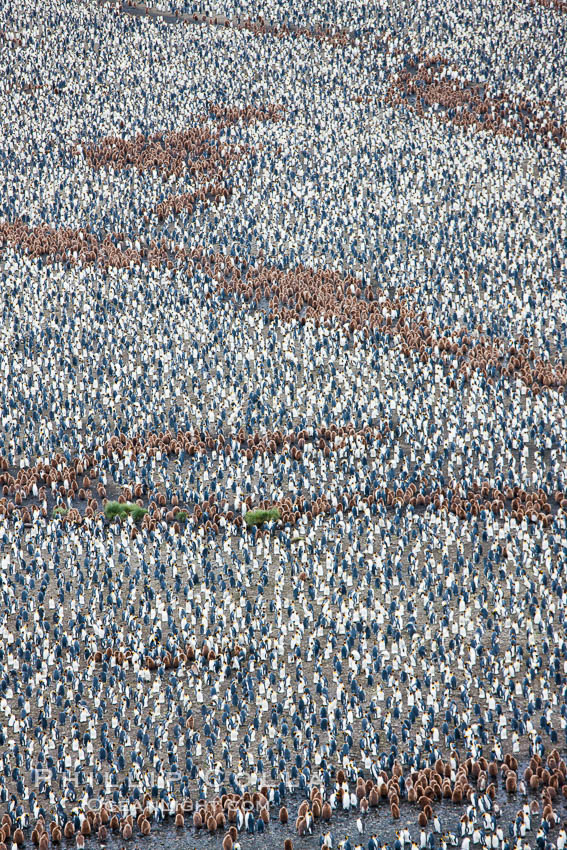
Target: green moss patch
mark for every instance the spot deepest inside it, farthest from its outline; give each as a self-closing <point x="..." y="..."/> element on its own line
<point x="259" y="517"/>
<point x="123" y="510"/>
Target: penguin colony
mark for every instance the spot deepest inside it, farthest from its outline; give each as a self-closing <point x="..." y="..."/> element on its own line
<point x="301" y="256"/>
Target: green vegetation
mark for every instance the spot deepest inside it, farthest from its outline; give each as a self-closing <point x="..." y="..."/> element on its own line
<point x="123" y="510"/>
<point x="181" y="516"/>
<point x="259" y="517"/>
<point x="59" y="511"/>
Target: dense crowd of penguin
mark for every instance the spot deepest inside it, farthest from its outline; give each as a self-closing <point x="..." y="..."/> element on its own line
<point x="310" y="257"/>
